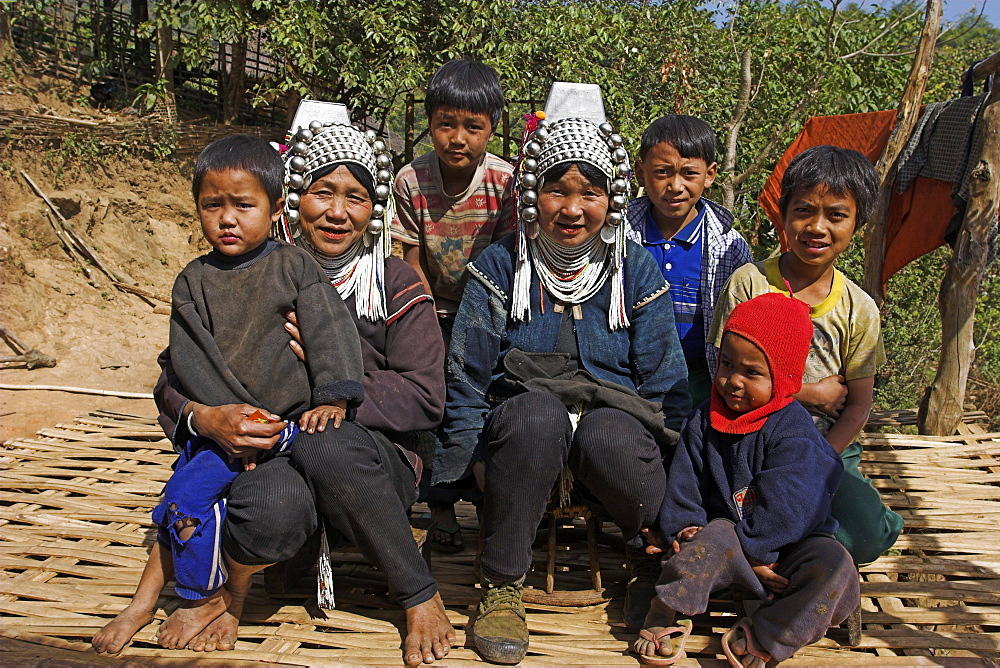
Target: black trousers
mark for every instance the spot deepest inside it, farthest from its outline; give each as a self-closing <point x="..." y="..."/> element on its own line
<point x="357" y="480"/>
<point x="528" y="440"/>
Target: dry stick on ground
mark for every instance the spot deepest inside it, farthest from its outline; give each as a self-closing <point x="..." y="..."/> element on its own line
<point x="906" y="119"/>
<point x="25" y="353"/>
<point x="79" y="390"/>
<point x="77" y="241"/>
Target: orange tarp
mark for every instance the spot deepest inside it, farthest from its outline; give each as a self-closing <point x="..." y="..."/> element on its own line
<point x="917" y="218"/>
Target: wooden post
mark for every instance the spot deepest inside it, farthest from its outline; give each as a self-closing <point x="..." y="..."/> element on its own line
<point x="165" y="69"/>
<point x="906" y="119"/>
<point x="408" y="130"/>
<point x="941" y="409"/>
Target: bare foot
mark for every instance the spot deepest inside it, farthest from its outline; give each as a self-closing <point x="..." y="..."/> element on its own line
<point x="189" y="619"/>
<point x="116" y="633"/>
<point x="221" y="634"/>
<point x="429" y="634"/>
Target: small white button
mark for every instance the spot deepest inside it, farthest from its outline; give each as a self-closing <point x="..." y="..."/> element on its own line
<point x="669" y="266"/>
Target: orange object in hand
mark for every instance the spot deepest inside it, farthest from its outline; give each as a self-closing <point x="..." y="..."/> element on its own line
<point x="257" y="416"/>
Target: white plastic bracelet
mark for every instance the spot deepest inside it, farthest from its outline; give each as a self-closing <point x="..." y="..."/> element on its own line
<point x="191" y="424"/>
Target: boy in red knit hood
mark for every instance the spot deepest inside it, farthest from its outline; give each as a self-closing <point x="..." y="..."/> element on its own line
<point x="748" y="501"/>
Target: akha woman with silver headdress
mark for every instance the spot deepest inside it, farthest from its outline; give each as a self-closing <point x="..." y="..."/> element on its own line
<point x="359" y="477"/>
<point x="564" y="353"/>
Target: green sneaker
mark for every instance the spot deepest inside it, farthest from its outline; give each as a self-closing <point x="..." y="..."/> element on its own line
<point x="500" y="633"/>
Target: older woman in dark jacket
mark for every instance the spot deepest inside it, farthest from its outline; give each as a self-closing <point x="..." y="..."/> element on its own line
<point x="360" y="478"/>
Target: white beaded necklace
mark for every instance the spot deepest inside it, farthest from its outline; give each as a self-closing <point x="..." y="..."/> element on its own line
<point x="358" y="271"/>
<point x="571" y="274"/>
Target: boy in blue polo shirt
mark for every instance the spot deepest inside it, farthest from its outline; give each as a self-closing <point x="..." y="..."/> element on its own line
<point x="692" y="238"/>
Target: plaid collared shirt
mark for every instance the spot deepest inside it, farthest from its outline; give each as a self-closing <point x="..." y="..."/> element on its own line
<point x="724" y="250"/>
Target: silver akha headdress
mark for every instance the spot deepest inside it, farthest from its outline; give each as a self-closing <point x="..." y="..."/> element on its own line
<point x="360" y="270"/>
<point x="572" y="129"/>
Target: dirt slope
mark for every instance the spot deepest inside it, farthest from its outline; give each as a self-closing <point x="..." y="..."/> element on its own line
<point x="137" y="214"/>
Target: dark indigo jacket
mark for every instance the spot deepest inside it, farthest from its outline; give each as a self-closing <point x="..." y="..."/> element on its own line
<point x="646" y="357"/>
<point x="776" y="484"/>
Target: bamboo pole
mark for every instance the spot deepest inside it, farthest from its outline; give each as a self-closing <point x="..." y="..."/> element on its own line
<point x="941" y="409"/>
<point x="907" y="114"/>
<point x="79" y="390"/>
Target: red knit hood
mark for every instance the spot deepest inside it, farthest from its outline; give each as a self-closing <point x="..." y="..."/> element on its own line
<point x="781" y="327"/>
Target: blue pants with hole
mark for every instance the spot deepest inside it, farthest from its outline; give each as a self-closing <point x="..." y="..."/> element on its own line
<point x="197" y="492"/>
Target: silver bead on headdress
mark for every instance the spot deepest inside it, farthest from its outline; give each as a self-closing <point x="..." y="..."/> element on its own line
<point x="335" y="141"/>
<point x="573" y="128"/>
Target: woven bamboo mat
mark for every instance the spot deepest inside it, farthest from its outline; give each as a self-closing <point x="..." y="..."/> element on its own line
<point x="75" y="508"/>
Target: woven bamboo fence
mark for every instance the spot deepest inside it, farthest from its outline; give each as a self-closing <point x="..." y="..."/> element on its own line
<point x="147" y="134"/>
<point x="75" y="532"/>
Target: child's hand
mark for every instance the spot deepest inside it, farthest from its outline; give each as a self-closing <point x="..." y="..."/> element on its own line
<point x="316" y="419"/>
<point x="249" y="463"/>
<point x="827" y="395"/>
<point x="683" y="536"/>
<point x="655" y="538"/>
<point x="773" y="582"/>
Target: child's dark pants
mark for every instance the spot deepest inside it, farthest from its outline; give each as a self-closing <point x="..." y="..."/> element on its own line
<point x="823" y="586"/>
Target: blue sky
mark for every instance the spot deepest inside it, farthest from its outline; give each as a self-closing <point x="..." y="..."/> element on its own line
<point x="953" y="9"/>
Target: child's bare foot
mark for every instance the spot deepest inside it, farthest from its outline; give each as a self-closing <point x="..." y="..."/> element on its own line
<point x="190" y="619"/>
<point x="661" y="641"/>
<point x="741" y="649"/>
<point x="221" y="634"/>
<point x="116" y="633"/>
<point x="429" y="634"/>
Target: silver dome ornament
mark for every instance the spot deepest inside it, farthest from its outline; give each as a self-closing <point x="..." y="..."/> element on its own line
<point x="300" y="148"/>
<point x="383" y="176"/>
<point x="292" y="200"/>
<point x="371" y="136"/>
<point x="383" y="161"/>
<point x="375" y="225"/>
<point x="619" y="155"/>
<point x="541" y="134"/>
<point x="532" y="148"/>
<point x="379" y="146"/>
<point x="608" y="234"/>
<point x="616" y="140"/>
<point x="382" y="191"/>
<point x="605" y="129"/>
<point x="295" y="181"/>
<point x="619" y="186"/>
<point x="528" y="180"/>
<point x="292" y="216"/>
<point x="529" y="214"/>
<point x="378" y="211"/>
<point x="618" y="202"/>
<point x="297" y="163"/>
<point x="544" y="123"/>
<point x="315" y="127"/>
<point x="305" y="135"/>
<point x="622" y="169"/>
<point x="529" y="198"/>
<point x="529" y="165"/>
<point x="616" y="218"/>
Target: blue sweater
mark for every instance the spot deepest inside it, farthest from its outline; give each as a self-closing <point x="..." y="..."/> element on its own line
<point x="776" y="484"/>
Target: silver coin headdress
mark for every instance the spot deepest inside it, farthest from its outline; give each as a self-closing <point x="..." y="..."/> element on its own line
<point x="334" y="141"/>
<point x="573" y="128"/>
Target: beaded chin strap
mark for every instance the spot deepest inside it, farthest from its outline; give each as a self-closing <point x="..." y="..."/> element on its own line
<point x="360" y="270"/>
<point x="545" y="144"/>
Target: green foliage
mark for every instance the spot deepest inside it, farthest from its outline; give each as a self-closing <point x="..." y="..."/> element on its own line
<point x="148" y="94"/>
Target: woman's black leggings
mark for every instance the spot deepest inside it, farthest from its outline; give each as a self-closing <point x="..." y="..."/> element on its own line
<point x="528" y="440"/>
<point x="357" y="480"/>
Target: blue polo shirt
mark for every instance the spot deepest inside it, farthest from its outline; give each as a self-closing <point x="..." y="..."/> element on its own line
<point x="680" y="261"/>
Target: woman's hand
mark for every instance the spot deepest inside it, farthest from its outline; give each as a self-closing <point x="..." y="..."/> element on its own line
<point x="683" y="536"/>
<point x="774" y="583"/>
<point x="292" y="327"/>
<point x="229" y="427"/>
<point x="827" y="395"/>
<point x="317" y="418"/>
